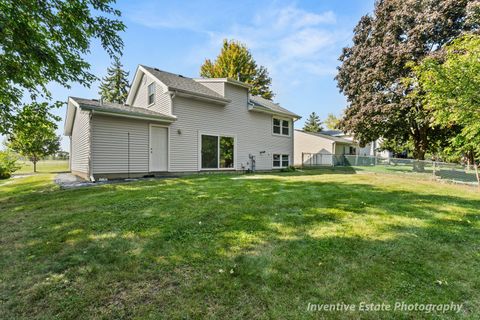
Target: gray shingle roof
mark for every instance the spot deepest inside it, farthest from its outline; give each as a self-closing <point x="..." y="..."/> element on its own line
<point x="178" y="82"/>
<point x="119" y="108"/>
<point x="329" y="137"/>
<point x="263" y="103"/>
<point x="335" y="133"/>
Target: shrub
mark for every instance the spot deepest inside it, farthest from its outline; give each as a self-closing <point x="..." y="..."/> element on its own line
<point x="8" y="164"/>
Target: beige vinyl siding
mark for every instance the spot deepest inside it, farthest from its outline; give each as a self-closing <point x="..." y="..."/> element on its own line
<point x="163" y="102"/>
<point x="80" y="142"/>
<point x="343" y="148"/>
<point x="218" y="87"/>
<point x="110" y="146"/>
<point x="307" y="143"/>
<point x="252" y="130"/>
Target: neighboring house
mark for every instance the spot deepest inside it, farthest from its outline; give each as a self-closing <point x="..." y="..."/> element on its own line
<point x="174" y="124"/>
<point x="318" y="148"/>
<point x="370" y="149"/>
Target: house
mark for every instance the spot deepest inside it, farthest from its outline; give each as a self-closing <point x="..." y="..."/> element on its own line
<point x="371" y="149"/>
<point x="175" y="124"/>
<point x="318" y="148"/>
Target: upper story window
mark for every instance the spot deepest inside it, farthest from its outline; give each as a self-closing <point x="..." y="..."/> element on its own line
<point x="281" y="127"/>
<point x="151" y="93"/>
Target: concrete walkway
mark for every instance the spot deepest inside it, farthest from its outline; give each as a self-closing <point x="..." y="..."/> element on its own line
<point x="70" y="181"/>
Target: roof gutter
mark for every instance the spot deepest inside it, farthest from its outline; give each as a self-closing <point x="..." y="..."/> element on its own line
<point x="225" y="80"/>
<point x="269" y="111"/>
<point x="126" y="114"/>
<point x="188" y="94"/>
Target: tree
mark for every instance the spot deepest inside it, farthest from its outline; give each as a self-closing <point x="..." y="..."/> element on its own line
<point x="332" y="121"/>
<point x="373" y="70"/>
<point x="33" y="133"/>
<point x="47" y="41"/>
<point x="235" y="61"/>
<point x="114" y="87"/>
<point x="452" y="85"/>
<point x="8" y="164"/>
<point x="313" y="123"/>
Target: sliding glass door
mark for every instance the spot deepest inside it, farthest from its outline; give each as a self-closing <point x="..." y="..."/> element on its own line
<point x="218" y="152"/>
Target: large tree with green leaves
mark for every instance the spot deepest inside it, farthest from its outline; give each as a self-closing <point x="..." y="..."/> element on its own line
<point x="451" y="82"/>
<point x="47" y="41"/>
<point x="313" y="123"/>
<point x="114" y="86"/>
<point x="332" y="121"/>
<point x="235" y="61"/>
<point x="33" y="133"/>
<point x="386" y="46"/>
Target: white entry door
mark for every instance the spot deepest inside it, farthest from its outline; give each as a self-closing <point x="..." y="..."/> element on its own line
<point x="158" y="149"/>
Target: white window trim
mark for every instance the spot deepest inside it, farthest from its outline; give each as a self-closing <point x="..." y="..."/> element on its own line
<point x="203" y="133"/>
<point x="281" y="156"/>
<point x="290" y="125"/>
<point x="154" y="94"/>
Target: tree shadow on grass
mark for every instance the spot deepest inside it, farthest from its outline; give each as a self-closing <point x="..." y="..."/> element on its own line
<point x="236" y="248"/>
<point x="456" y="175"/>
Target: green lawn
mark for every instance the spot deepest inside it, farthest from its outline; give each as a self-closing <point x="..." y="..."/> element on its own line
<point x="43" y="166"/>
<point x="237" y="246"/>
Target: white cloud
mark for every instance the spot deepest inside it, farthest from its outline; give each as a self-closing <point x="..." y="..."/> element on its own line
<point x="288" y="40"/>
<point x="291" y="16"/>
<point x="305" y="43"/>
<point x="149" y="18"/>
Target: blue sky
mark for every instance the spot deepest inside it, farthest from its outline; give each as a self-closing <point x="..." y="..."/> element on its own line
<point x="297" y="41"/>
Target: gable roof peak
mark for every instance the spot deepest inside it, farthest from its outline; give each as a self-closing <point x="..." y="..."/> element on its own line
<point x="175" y="83"/>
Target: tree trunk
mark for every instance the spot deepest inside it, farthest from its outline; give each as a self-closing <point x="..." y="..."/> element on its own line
<point x="420" y="141"/>
<point x="470" y="159"/>
<point x="34" y="166"/>
<point x="476" y="172"/>
<point x="419" y="155"/>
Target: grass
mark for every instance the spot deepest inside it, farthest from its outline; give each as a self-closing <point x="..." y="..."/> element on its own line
<point x="237" y="246"/>
<point x="43" y="166"/>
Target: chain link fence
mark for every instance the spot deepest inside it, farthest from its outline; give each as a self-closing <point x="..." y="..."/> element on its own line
<point x="452" y="172"/>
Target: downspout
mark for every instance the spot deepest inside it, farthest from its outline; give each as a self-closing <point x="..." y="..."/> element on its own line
<point x="172" y="96"/>
<point x="70" y="155"/>
<point x="334" y="149"/>
<point x="90" y="162"/>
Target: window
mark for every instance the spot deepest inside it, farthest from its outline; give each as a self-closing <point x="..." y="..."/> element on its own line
<point x="209" y="152"/>
<point x="276" y="126"/>
<point x="226" y="152"/>
<point x="276" y="161"/>
<point x="285" y="160"/>
<point x="151" y="93"/>
<point x="217" y="152"/>
<point x="281" y="127"/>
<point x="285" y="127"/>
<point x="281" y="160"/>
